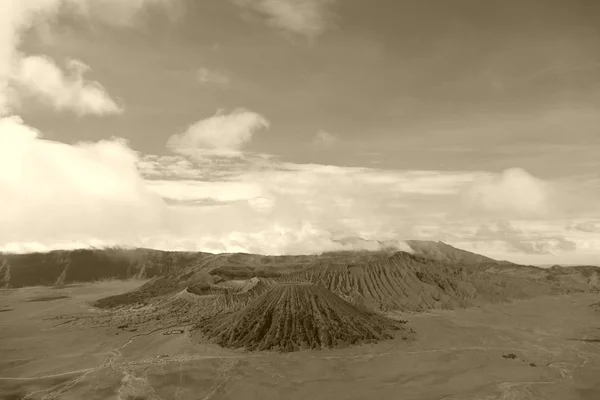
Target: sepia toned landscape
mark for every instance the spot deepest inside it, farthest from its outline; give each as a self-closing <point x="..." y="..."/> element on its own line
<point x="299" y="199"/>
<point x="340" y="325"/>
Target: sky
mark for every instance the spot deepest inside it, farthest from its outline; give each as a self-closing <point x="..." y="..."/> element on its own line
<point x="281" y="126"/>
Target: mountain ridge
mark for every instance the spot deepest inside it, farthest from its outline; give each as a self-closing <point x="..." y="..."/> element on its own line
<point x="62" y="267"/>
<point x="213" y="292"/>
<point x="379" y="282"/>
<point x="85" y="265"/>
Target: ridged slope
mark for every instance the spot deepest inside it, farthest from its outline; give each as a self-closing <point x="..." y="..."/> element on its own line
<point x="201" y="274"/>
<point x="64" y="267"/>
<point x="177" y="277"/>
<point x="443" y="252"/>
<point x="407" y="282"/>
<point x="289" y="317"/>
<point x="379" y="281"/>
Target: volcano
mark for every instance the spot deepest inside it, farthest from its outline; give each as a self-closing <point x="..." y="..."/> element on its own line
<point x="294" y="316"/>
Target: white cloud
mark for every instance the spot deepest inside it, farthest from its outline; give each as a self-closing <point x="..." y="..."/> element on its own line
<point x="205" y="75"/>
<point x="375" y="204"/>
<point x="168" y="167"/>
<point x="55" y="193"/>
<point x="586" y="226"/>
<point x="41" y="78"/>
<point x="325" y="200"/>
<point x="324" y="140"/>
<point x="304" y="17"/>
<point x="265" y="207"/>
<point x="256" y="200"/>
<point x="20" y="16"/>
<point x="543" y="241"/>
<point x="223" y="134"/>
<point x="189" y="191"/>
<point x="514" y="192"/>
<point x="119" y="12"/>
<point x="521" y="241"/>
<point x="395" y="181"/>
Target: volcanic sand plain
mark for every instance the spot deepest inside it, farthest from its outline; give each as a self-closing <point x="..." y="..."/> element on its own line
<point x="542" y="348"/>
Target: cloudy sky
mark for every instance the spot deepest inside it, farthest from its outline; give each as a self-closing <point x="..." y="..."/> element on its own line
<point x="278" y="126"/>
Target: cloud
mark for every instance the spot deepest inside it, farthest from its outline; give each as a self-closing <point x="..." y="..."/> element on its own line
<point x="246" y="204"/>
<point x="174" y="167"/>
<point x="41" y="78"/>
<point x="275" y="239"/>
<point x="119" y="12"/>
<point x="358" y="243"/>
<point x="204" y="75"/>
<point x="255" y="198"/>
<point x="324" y="140"/>
<point x="223" y="134"/>
<point x="304" y="238"/>
<point x="304" y="17"/>
<point x="513" y="192"/>
<point x="57" y="193"/>
<point x="587" y="227"/>
<point x="516" y="240"/>
<point x="521" y="241"/>
<point x="395" y="181"/>
<point x="190" y="190"/>
<point x="206" y="166"/>
<point x="20" y="16"/>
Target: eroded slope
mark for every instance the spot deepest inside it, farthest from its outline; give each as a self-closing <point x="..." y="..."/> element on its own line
<point x="289" y="317"/>
<point x="70" y="266"/>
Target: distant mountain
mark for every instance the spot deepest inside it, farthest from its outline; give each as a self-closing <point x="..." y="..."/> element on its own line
<point x="69" y="266"/>
<point x="433" y="250"/>
<point x="245" y="300"/>
<point x="376" y="280"/>
<point x="221" y="292"/>
<point x="180" y="269"/>
<point x="356" y="243"/>
<point x="565" y="265"/>
<point x="443" y="252"/>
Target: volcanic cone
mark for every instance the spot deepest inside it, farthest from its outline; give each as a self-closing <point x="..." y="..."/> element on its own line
<point x="290" y="317"/>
